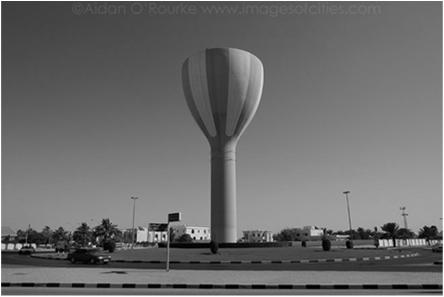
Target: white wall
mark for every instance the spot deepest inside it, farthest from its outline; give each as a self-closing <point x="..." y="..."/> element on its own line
<point x="407" y="242"/>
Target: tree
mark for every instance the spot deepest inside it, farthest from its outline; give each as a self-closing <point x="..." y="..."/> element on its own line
<point x="391" y="229"/>
<point x="173" y="235"/>
<point x="184" y="238"/>
<point x="106" y="230"/>
<point x="21" y="236"/>
<point x="47" y="234"/>
<point x="428" y="232"/>
<point x="287" y="235"/>
<point x="404" y="233"/>
<point x="60" y="235"/>
<point x="35" y="237"/>
<point x="363" y="234"/>
<point x="82" y="234"/>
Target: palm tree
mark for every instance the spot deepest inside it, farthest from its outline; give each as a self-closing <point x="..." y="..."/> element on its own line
<point x="391" y="229"/>
<point x="47" y="234"/>
<point x="404" y="233"/>
<point x="428" y="233"/>
<point x="82" y="234"/>
<point x="60" y="235"/>
<point x="106" y="230"/>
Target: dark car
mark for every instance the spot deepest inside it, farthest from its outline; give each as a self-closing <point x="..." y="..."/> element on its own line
<point x="89" y="255"/>
<point x="26" y="250"/>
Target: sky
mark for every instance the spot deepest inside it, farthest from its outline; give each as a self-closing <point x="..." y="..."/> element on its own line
<point x="93" y="113"/>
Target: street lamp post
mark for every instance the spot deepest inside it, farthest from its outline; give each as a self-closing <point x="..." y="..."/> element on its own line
<point x="134" y="215"/>
<point x="348" y="211"/>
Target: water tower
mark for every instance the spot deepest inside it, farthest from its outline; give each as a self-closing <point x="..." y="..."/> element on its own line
<point x="223" y="87"/>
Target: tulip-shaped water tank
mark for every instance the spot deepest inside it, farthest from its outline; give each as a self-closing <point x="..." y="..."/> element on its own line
<point x="223" y="87"/>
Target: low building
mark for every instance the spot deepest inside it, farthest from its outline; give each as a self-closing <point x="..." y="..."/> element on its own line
<point x="144" y="235"/>
<point x="196" y="233"/>
<point x="8" y="234"/>
<point x="257" y="236"/>
<point x="309" y="233"/>
<point x="157" y="236"/>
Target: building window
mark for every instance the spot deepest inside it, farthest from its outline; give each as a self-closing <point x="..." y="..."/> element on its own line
<point x="194" y="237"/>
<point x="192" y="231"/>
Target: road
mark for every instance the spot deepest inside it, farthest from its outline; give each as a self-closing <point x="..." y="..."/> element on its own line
<point x="423" y="262"/>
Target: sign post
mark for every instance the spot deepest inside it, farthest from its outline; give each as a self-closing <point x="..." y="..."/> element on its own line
<point x="172" y="217"/>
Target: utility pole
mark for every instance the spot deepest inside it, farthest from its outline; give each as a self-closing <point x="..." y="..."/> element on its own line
<point x="349" y="216"/>
<point x="404" y="214"/>
<point x="134" y="215"/>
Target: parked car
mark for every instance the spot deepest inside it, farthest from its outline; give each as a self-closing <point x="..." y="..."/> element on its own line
<point x="89" y="255"/>
<point x="26" y="250"/>
<point x="437" y="248"/>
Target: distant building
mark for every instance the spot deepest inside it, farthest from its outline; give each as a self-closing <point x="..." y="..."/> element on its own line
<point x="157" y="236"/>
<point x="8" y="234"/>
<point x="257" y="236"/>
<point x="144" y="235"/>
<point x="309" y="233"/>
<point x="196" y="233"/>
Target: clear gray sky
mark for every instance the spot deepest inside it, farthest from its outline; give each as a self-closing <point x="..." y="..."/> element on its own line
<point x="93" y="112"/>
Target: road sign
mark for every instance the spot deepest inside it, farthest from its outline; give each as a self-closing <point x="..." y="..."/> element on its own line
<point x="174" y="217"/>
<point x="157" y="227"/>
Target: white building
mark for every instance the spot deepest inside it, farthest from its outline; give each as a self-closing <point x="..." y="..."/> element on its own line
<point x="309" y="233"/>
<point x="257" y="236"/>
<point x="145" y="235"/>
<point x="196" y="233"/>
<point x="157" y="236"/>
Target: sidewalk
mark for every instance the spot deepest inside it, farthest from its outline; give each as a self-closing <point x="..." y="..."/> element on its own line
<point x="139" y="276"/>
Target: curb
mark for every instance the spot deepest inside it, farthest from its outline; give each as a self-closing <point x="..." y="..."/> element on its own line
<point x="304" y="261"/>
<point x="232" y="286"/>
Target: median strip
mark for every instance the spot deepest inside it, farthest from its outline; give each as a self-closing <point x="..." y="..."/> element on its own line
<point x="302" y="261"/>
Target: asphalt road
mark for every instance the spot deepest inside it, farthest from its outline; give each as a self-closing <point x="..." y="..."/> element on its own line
<point x="192" y="292"/>
<point x="423" y="262"/>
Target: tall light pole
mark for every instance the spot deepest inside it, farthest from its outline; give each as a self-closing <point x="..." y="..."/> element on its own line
<point x="348" y="211"/>
<point x="404" y="215"/>
<point x="134" y="215"/>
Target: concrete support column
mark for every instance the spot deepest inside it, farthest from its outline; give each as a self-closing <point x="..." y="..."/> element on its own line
<point x="223" y="194"/>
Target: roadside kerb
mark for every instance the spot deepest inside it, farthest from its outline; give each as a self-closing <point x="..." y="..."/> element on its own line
<point x="303" y="261"/>
<point x="232" y="286"/>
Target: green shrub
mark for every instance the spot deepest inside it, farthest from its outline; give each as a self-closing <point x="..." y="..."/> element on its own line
<point x="326" y="244"/>
<point x="184" y="238"/>
<point x="109" y="246"/>
<point x="214" y="247"/>
<point x="376" y="243"/>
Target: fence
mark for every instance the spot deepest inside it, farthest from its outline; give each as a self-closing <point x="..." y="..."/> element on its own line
<point x="15" y="246"/>
<point x="408" y="242"/>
